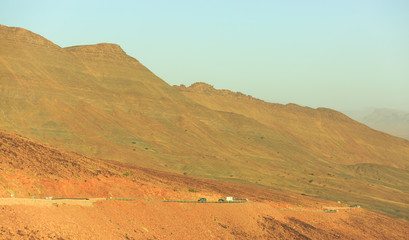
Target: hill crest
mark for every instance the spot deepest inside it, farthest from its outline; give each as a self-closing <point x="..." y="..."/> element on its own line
<point x="23" y="36"/>
<point x="83" y="100"/>
<point x="108" y="51"/>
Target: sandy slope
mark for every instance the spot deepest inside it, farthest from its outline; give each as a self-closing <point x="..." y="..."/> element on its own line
<point x="31" y="169"/>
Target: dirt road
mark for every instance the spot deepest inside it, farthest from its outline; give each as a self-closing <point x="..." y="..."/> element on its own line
<point x="48" y="202"/>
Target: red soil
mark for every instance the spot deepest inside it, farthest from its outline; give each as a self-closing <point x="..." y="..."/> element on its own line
<point x="31" y="169"/>
<point x="161" y="220"/>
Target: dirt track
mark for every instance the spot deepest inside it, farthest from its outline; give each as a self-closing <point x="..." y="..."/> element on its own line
<point x="83" y="201"/>
<point x="47" y="202"/>
<point x="88" y="202"/>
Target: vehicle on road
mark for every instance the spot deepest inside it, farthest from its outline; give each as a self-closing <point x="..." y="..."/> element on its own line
<point x="202" y="200"/>
<point x="221" y="200"/>
<point x="230" y="199"/>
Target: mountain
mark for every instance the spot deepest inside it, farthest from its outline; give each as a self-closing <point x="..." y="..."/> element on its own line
<point x="390" y="121"/>
<point x="88" y="203"/>
<point x="98" y="101"/>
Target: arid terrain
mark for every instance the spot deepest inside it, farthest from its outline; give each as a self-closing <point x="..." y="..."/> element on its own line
<point x="33" y="172"/>
<point x="102" y="125"/>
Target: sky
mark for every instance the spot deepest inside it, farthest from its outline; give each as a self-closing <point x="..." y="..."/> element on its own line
<point x="341" y="54"/>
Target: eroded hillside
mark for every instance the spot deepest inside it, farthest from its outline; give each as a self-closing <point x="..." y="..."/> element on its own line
<point x="98" y="101"/>
<point x="32" y="171"/>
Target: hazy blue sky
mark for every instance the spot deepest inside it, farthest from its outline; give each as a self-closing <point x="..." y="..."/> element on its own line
<point x="342" y="54"/>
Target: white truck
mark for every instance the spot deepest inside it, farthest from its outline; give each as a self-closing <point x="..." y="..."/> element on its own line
<point x="229" y="199"/>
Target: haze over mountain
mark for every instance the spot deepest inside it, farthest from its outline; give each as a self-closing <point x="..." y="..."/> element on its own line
<point x="98" y="101"/>
<point x="391" y="121"/>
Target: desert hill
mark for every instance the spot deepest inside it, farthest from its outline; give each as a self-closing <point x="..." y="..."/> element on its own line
<point x="98" y="101"/>
<point x="32" y="171"/>
<point x="332" y="133"/>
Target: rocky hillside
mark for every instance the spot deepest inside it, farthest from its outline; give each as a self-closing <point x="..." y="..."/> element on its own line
<point x="31" y="171"/>
<point x="98" y="101"/>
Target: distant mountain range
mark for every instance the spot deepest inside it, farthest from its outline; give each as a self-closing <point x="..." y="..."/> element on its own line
<point x="98" y="101"/>
<point x="394" y="122"/>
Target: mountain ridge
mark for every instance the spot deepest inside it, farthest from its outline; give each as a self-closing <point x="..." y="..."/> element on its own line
<point x="99" y="106"/>
<point x="270" y="114"/>
<point x="388" y="120"/>
<point x="391" y="121"/>
<point x="26" y="36"/>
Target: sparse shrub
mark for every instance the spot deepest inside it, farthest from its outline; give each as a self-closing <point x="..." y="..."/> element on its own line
<point x="192" y="190"/>
<point x="127" y="173"/>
